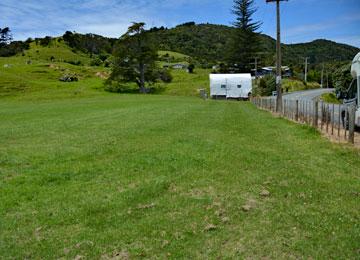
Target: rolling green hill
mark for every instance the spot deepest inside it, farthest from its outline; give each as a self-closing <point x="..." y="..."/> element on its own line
<point x="207" y="42"/>
<point x="39" y="69"/>
<point x="36" y="72"/>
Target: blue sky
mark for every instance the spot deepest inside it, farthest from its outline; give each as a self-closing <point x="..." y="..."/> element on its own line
<point x="302" y="20"/>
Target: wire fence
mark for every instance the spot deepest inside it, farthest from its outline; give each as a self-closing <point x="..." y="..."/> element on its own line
<point x="335" y="120"/>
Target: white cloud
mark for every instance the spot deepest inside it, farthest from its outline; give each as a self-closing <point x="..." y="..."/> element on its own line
<point x="353" y="40"/>
<point x="107" y="17"/>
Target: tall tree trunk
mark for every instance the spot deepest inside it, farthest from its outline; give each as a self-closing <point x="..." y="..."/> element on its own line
<point x="142" y="78"/>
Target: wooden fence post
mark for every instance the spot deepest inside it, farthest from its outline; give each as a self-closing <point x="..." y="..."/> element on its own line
<point x="322" y="116"/>
<point x="339" y="123"/>
<point x="316" y="114"/>
<point x="327" y="118"/>
<point x="346" y="121"/>
<point x="282" y="109"/>
<point x="332" y="119"/>
<point x="352" y="124"/>
<point x="297" y="111"/>
<point x="307" y="112"/>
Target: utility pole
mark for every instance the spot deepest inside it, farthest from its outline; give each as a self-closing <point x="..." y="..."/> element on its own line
<point x="256" y="68"/>
<point x="306" y="68"/>
<point x="322" y="76"/>
<point x="256" y="59"/>
<point x="256" y="72"/>
<point x="278" y="56"/>
<point x="327" y="79"/>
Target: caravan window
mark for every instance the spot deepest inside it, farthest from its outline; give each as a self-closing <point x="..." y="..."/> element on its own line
<point x="223" y="86"/>
<point x="239" y="86"/>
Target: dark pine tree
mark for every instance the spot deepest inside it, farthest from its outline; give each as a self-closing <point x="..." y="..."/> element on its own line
<point x="5" y="36"/>
<point x="135" y="58"/>
<point x="245" y="42"/>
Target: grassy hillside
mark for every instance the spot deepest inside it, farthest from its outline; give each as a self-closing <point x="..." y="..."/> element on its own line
<point x="205" y="42"/>
<point x="319" y="51"/>
<point x="40" y="68"/>
<point x="185" y="84"/>
<point x="18" y="77"/>
<point x="170" y="177"/>
<point x="59" y="51"/>
<point x="172" y="55"/>
<point x="208" y="42"/>
<point x="35" y="71"/>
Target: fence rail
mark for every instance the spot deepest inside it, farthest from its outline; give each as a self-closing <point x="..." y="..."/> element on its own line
<point x="336" y="120"/>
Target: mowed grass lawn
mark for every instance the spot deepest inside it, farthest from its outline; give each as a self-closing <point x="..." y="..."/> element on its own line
<point x="133" y="176"/>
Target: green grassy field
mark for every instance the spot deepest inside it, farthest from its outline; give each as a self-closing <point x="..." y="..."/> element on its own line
<point x="170" y="177"/>
<point x="174" y="55"/>
<point x="186" y="84"/>
<point x="42" y="75"/>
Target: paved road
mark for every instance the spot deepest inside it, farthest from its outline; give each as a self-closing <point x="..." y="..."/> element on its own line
<point x="306" y="103"/>
<point x="307" y="94"/>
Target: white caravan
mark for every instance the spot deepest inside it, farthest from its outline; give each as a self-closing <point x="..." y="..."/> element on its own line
<point x="237" y="86"/>
<point x="352" y="95"/>
<point x="355" y="72"/>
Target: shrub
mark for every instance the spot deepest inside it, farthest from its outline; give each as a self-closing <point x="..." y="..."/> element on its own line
<point x="267" y="85"/>
<point x="191" y="68"/>
<point x="107" y="64"/>
<point x="68" y="78"/>
<point x="118" y="87"/>
<point x="45" y="41"/>
<point x="166" y="76"/>
<point x="103" y="57"/>
<point x="96" y="62"/>
<point x="330" y="98"/>
<point x="76" y="63"/>
<point x="7" y="50"/>
<point x="342" y="78"/>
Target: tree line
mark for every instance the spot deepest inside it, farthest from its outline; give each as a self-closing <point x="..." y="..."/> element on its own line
<point x="8" y="47"/>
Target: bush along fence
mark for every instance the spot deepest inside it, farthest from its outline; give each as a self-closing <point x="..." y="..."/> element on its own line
<point x="336" y="120"/>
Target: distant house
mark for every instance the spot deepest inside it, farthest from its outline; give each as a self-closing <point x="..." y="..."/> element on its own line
<point x="179" y="66"/>
<point x="286" y="71"/>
